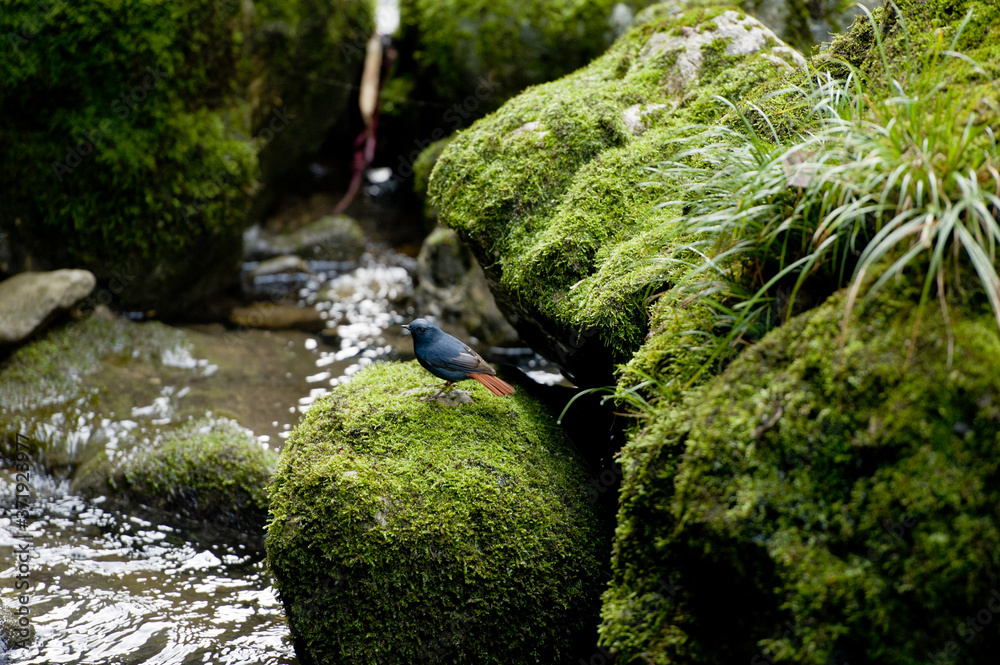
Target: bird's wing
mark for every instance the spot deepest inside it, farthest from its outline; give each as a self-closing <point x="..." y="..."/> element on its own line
<point x="465" y="361"/>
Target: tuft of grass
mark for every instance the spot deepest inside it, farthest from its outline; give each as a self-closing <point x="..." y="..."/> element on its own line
<point x="883" y="177"/>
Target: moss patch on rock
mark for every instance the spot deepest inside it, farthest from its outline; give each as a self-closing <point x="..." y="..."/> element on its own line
<point x="918" y="28"/>
<point x="405" y="531"/>
<point x="48" y="390"/>
<point x="422" y="168"/>
<point x="548" y="190"/>
<point x="819" y="503"/>
<point x="213" y="471"/>
<point x="15" y="633"/>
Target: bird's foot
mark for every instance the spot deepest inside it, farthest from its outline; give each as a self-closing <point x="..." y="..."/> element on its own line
<point x="444" y="390"/>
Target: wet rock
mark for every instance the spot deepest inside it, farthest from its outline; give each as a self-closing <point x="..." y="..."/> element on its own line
<point x="278" y="316"/>
<point x="279" y="265"/>
<point x="49" y="387"/>
<point x="457" y="532"/>
<point x="331" y="238"/>
<point x="17" y="631"/>
<point x="452" y="287"/>
<point x="210" y="470"/>
<point x="28" y="300"/>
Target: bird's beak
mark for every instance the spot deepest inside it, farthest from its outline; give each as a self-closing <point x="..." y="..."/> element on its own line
<point x="406" y="328"/>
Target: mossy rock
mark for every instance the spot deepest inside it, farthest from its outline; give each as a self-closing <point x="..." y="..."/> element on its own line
<point x="132" y="131"/>
<point x="17" y="631"/>
<point x="329" y="238"/>
<point x="823" y="500"/>
<point x="55" y="389"/>
<point x="405" y="531"/>
<point x="920" y="27"/>
<point x="547" y="191"/>
<point x="211" y="471"/>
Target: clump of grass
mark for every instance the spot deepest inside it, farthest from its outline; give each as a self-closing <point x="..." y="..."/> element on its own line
<point x="882" y="177"/>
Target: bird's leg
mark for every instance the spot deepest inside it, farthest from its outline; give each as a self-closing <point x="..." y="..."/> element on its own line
<point x="440" y="393"/>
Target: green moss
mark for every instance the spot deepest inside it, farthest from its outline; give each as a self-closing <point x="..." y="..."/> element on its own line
<point x="405" y="531"/>
<point x="14" y="634"/>
<point x="132" y="130"/>
<point x="920" y="28"/>
<point x="839" y="500"/>
<point x="422" y="172"/>
<point x="214" y="471"/>
<point x="548" y="191"/>
<point x="47" y="375"/>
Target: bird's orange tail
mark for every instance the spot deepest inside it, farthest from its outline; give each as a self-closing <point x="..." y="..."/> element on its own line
<point x="495" y="385"/>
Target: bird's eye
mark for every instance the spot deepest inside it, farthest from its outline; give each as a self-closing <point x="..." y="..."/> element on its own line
<point x="421" y="329"/>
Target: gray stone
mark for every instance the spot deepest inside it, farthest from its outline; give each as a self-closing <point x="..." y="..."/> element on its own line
<point x="452" y="286"/>
<point x="280" y="265"/>
<point x="331" y="238"/>
<point x="744" y="36"/>
<point x="28" y="300"/>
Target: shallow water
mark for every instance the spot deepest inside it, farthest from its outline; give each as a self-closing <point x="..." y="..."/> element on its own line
<point x="112" y="588"/>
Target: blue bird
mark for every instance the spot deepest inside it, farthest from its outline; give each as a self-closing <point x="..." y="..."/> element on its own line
<point x="451" y="359"/>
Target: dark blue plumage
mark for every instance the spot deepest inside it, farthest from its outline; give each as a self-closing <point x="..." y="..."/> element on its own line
<point x="451" y="359"/>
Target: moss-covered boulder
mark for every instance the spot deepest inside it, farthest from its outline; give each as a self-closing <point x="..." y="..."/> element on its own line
<point x="915" y="27"/>
<point x="16" y="628"/>
<point x="405" y="531"/>
<point x="57" y="389"/>
<point x="547" y="191"/>
<point x="131" y="130"/>
<point x="210" y="470"/>
<point x="422" y="168"/>
<point x="823" y="500"/>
